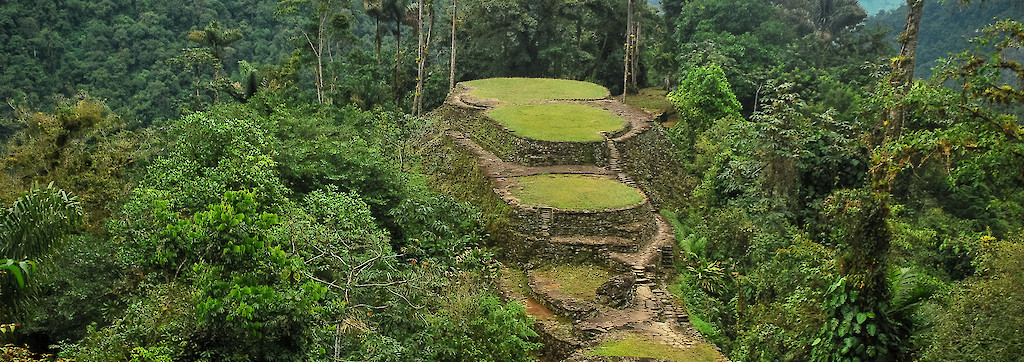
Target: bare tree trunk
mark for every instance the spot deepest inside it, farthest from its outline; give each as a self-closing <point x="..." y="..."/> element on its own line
<point x="417" y="102"/>
<point x="451" y="77"/>
<point x="318" y="51"/>
<point x="626" y="50"/>
<point x="396" y="87"/>
<point x="377" y="37"/>
<point x="635" y="57"/>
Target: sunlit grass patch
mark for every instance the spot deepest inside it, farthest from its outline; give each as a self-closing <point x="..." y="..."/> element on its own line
<point x="574" y="192"/>
<point x="652" y="100"/>
<point x="636" y="346"/>
<point x="558" y="121"/>
<point x="522" y="90"/>
<point x="580" y="281"/>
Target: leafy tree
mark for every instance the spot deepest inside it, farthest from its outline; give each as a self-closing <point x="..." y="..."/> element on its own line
<point x="859" y="324"/>
<point x="476" y="326"/>
<point x="743" y="37"/>
<point x="81" y="146"/>
<point x="323" y="23"/>
<point x="533" y="38"/>
<point x="436" y="228"/>
<point x="701" y="99"/>
<point x="215" y="39"/>
<point x="213" y="153"/>
<point x="986" y="312"/>
<point x="833" y="16"/>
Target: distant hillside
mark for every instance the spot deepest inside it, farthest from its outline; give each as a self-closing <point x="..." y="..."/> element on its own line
<point x="946" y="27"/>
<point x="872" y="7"/>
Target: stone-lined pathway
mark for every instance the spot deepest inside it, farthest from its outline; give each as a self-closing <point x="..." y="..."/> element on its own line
<point x="651" y="313"/>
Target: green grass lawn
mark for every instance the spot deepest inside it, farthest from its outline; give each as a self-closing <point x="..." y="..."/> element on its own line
<point x="650" y="99"/>
<point x="635" y="346"/>
<point x="558" y="121"/>
<point x="580" y="281"/>
<point x="575" y="192"/>
<point x="522" y="90"/>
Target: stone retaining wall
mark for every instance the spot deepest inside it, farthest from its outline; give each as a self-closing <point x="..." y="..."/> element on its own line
<point x="648" y="158"/>
<point x="559" y="302"/>
<point x="633" y="222"/>
<point x="513" y="148"/>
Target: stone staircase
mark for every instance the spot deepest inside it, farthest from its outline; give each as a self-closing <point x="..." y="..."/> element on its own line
<point x="546" y="215"/>
<point x="643" y="260"/>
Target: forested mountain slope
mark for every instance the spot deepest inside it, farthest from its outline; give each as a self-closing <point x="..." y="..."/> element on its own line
<point x="239" y="180"/>
<point x="120" y="50"/>
<point x="947" y="26"/>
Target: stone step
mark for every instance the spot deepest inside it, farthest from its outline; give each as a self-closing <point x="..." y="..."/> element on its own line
<point x="545" y="225"/>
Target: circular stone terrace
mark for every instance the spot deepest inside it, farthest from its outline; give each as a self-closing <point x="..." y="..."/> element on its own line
<point x="539" y="109"/>
<point x="558" y="122"/>
<point x="507" y="91"/>
<point x="577" y="205"/>
<point x="574" y="192"/>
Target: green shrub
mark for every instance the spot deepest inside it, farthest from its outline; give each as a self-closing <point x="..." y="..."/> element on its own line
<point x="702" y="98"/>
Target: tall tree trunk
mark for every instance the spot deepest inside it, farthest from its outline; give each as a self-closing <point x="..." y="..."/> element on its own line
<point x="451" y="77"/>
<point x="376" y="22"/>
<point x="627" y="51"/>
<point x="901" y="78"/>
<point x="635" y="57"/>
<point x="396" y="88"/>
<point x="417" y="101"/>
<point x="903" y="68"/>
<point x="602" y="54"/>
<point x="318" y="51"/>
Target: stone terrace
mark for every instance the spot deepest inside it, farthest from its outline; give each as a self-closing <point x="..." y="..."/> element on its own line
<point x="634" y="243"/>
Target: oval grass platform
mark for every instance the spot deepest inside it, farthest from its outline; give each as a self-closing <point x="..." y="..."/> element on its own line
<point x="558" y="121"/>
<point x="524" y="90"/>
<point x="575" y="192"/>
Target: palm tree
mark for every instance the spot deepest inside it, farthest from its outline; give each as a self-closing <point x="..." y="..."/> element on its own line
<point x="375" y="9"/>
<point x="216" y="39"/>
<point x="835" y="15"/>
<point x="397" y="11"/>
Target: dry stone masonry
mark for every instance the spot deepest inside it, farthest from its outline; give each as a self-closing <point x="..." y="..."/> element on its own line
<point x="634" y="243"/>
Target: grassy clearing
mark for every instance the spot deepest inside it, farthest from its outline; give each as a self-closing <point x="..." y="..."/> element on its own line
<point x="651" y="100"/>
<point x="580" y="281"/>
<point x="558" y="121"/>
<point x="635" y="346"/>
<point x="575" y="192"/>
<point x="523" y="90"/>
<point x="517" y="280"/>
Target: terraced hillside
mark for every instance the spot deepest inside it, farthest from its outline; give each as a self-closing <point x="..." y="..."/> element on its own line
<point x="588" y="253"/>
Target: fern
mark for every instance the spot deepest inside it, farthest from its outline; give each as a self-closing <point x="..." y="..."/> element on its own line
<point x="36" y="221"/>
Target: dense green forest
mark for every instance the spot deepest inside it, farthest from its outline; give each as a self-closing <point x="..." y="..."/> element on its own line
<point x="227" y="180"/>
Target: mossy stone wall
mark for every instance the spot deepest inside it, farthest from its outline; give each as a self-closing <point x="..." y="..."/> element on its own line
<point x="513" y="148"/>
<point x="648" y="158"/>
